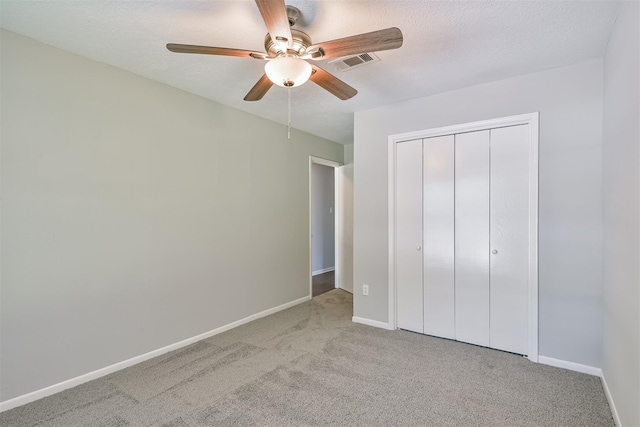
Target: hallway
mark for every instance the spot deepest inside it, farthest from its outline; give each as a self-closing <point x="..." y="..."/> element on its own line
<point x="324" y="282"/>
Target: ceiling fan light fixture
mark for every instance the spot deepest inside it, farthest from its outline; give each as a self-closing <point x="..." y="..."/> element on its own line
<point x="288" y="71"/>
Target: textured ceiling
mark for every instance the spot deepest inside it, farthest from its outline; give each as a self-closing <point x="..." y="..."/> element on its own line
<point x="447" y="45"/>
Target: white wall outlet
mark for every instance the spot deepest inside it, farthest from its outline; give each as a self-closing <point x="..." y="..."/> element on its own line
<point x="365" y="289"/>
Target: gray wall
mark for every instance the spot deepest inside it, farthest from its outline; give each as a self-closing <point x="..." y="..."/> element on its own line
<point x="323" y="217"/>
<point x="621" y="349"/>
<point x="569" y="100"/>
<point x="136" y="215"/>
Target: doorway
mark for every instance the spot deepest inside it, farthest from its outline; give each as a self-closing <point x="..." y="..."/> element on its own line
<point x="330" y="222"/>
<point x="323" y="228"/>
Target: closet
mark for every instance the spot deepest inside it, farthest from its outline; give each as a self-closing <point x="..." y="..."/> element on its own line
<point x="463" y="236"/>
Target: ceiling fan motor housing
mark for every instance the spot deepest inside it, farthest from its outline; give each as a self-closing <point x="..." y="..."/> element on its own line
<point x="301" y="41"/>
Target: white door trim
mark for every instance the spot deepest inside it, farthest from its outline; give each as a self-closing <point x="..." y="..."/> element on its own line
<point x="333" y="164"/>
<point x="532" y="120"/>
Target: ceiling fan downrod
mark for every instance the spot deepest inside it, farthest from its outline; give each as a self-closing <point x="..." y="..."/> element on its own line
<point x="293" y="14"/>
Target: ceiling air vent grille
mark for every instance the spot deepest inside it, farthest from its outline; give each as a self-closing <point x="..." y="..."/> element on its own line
<point x="356" y="61"/>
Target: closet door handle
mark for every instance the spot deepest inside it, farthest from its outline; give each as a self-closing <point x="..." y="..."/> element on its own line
<point x="418" y="247"/>
<point x="495" y="251"/>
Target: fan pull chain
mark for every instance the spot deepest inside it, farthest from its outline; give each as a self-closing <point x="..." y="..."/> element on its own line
<point x="289" y="114"/>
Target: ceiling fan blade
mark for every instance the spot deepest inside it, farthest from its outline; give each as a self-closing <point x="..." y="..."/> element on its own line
<point x="210" y="50"/>
<point x="259" y="89"/>
<point x="274" y="14"/>
<point x="331" y="83"/>
<point x="390" y="38"/>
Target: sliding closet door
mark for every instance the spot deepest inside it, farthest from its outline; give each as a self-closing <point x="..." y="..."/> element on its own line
<point x="409" y="290"/>
<point x="510" y="238"/>
<point x="472" y="237"/>
<point x="438" y="228"/>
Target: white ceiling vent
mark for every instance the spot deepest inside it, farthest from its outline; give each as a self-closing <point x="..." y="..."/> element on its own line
<point x="356" y="61"/>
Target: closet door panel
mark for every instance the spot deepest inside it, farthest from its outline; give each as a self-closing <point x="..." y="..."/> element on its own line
<point x="409" y="290"/>
<point x="438" y="238"/>
<point x="510" y="238"/>
<point x="472" y="237"/>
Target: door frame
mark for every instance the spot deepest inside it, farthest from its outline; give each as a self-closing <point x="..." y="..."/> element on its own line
<point x="333" y="164"/>
<point x="531" y="119"/>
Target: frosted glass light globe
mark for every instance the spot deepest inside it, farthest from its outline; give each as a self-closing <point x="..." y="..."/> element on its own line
<point x="288" y="71"/>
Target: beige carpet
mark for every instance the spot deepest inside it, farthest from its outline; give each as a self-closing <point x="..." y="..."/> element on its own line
<point x="310" y="365"/>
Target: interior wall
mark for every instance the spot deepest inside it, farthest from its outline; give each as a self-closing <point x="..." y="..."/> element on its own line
<point x="621" y="173"/>
<point x="323" y="220"/>
<point x="136" y="215"/>
<point x="344" y="257"/>
<point x="348" y="154"/>
<point x="569" y="100"/>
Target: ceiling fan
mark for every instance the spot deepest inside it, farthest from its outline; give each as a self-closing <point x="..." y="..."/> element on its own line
<point x="288" y="49"/>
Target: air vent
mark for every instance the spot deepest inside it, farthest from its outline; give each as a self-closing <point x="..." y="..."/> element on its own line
<point x="351" y="62"/>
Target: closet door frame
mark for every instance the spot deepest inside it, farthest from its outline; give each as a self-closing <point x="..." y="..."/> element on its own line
<point x="531" y="120"/>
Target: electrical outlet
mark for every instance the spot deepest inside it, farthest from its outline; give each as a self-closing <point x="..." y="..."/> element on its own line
<point x="365" y="289"/>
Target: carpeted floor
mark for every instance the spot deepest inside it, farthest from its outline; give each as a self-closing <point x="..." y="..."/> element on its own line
<point x="310" y="365"/>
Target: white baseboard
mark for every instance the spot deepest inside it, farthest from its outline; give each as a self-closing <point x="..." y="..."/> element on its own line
<point x="324" y="270"/>
<point x="369" y="322"/>
<point x="585" y="369"/>
<point x="612" y="406"/>
<point x="47" y="391"/>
